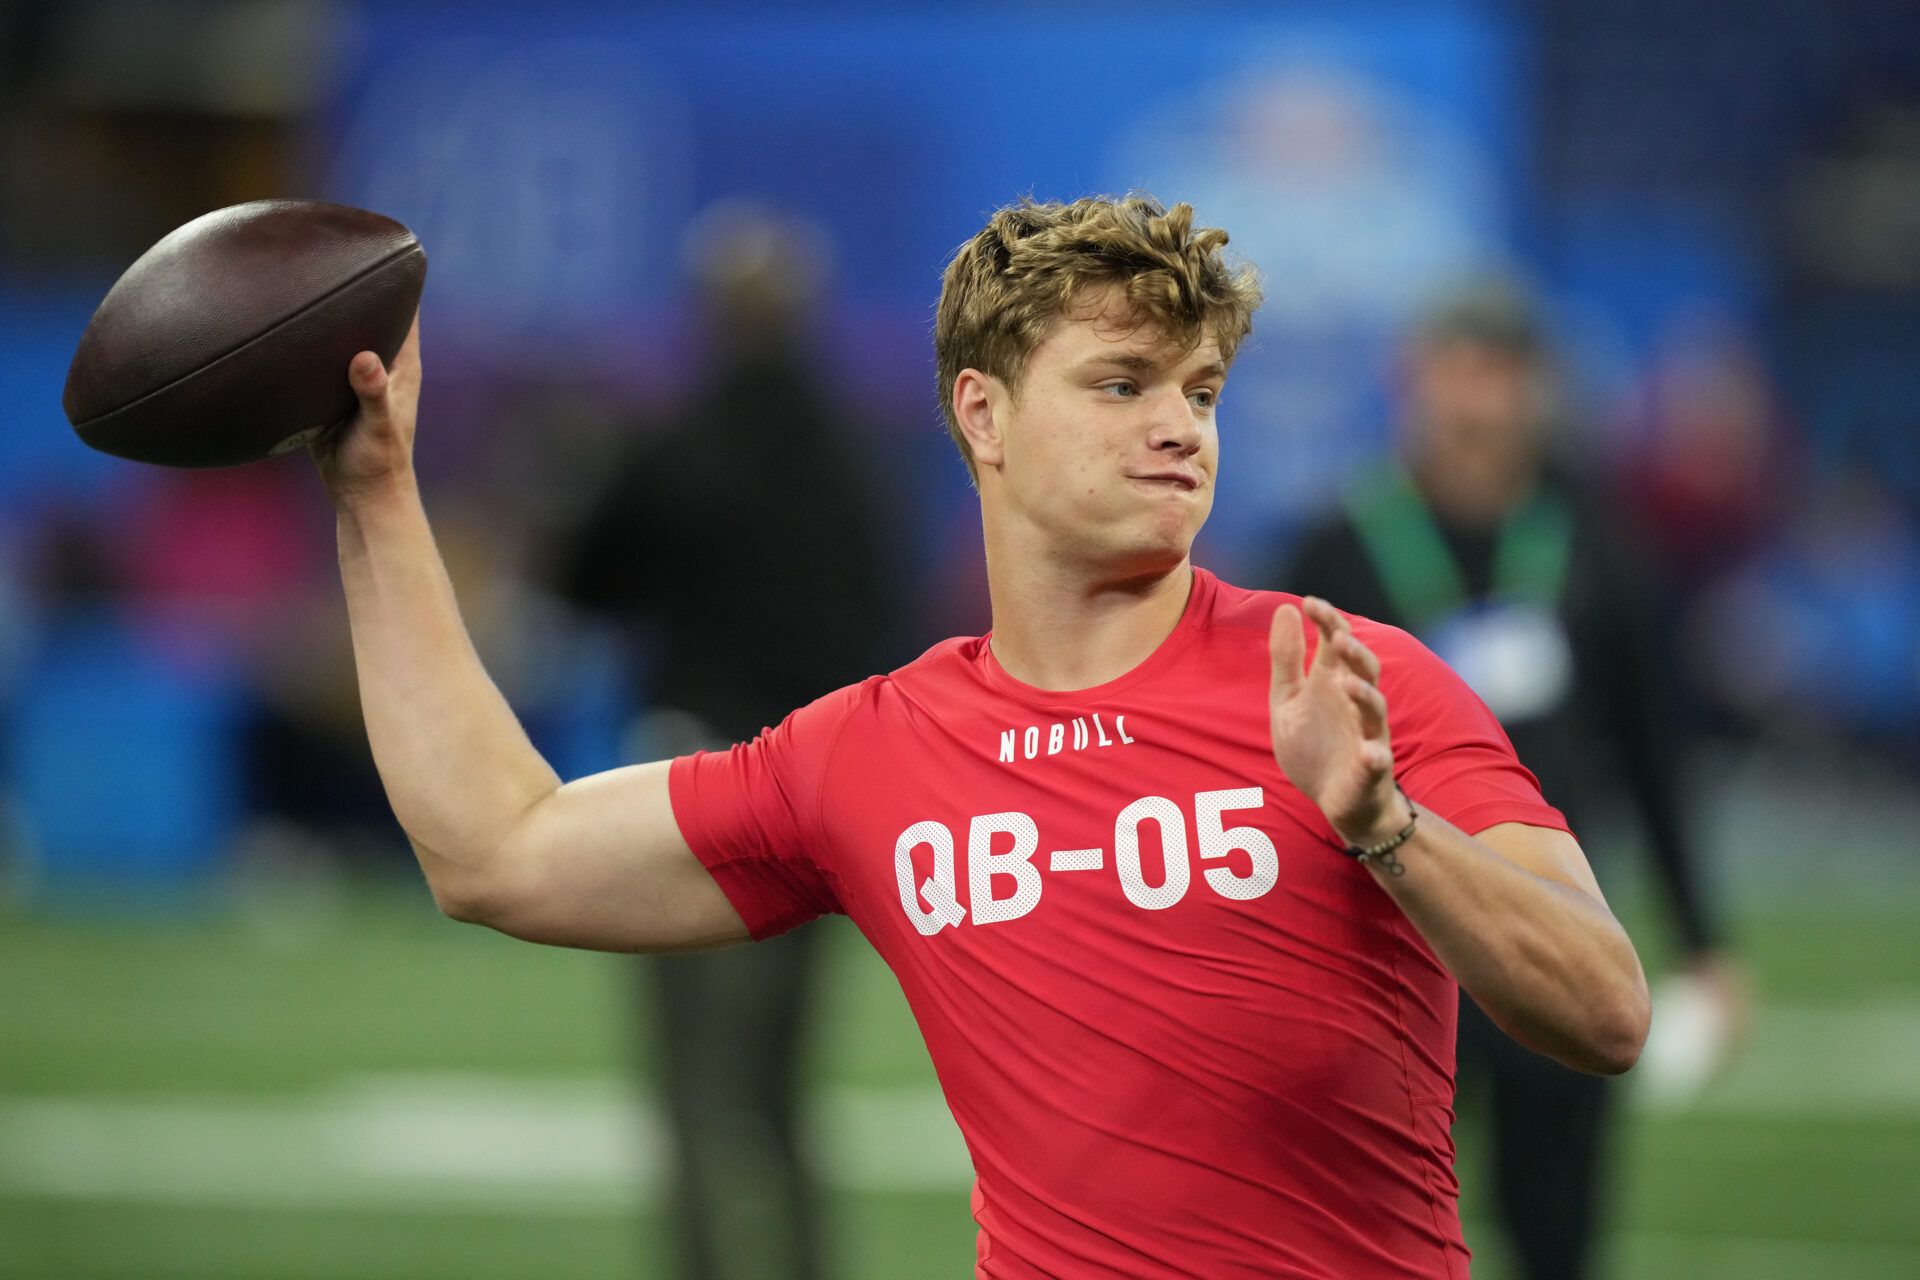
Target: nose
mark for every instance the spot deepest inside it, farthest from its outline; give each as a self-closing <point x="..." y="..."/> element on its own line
<point x="1173" y="428"/>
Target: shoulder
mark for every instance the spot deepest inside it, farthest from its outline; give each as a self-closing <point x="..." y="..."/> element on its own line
<point x="948" y="670"/>
<point x="1244" y="609"/>
<point x="1403" y="658"/>
<point x="1237" y="608"/>
<point x="1425" y="696"/>
<point x="942" y="659"/>
<point x="839" y="744"/>
<point x="945" y="670"/>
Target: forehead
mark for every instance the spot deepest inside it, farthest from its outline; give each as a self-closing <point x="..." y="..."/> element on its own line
<point x="1104" y="328"/>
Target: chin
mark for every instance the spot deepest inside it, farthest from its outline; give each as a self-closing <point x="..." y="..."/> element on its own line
<point x="1174" y="539"/>
<point x="1137" y="545"/>
<point x="1154" y="557"/>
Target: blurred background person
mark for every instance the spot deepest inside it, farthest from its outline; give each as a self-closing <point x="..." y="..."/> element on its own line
<point x="1517" y="576"/>
<point x="1703" y="472"/>
<point x="738" y="546"/>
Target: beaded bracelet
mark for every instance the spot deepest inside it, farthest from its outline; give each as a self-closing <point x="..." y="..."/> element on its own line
<point x="1392" y="842"/>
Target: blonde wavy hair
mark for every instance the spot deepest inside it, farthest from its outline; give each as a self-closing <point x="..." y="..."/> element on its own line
<point x="1004" y="289"/>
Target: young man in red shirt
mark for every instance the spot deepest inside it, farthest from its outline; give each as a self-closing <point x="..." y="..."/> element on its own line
<point x="1107" y="849"/>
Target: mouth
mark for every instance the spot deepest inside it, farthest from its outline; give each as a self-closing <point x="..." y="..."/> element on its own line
<point x="1184" y="481"/>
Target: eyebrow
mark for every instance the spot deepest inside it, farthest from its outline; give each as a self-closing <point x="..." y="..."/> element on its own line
<point x="1145" y="364"/>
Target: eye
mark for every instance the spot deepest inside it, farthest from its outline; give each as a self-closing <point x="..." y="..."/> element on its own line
<point x="1120" y="390"/>
<point x="1204" y="398"/>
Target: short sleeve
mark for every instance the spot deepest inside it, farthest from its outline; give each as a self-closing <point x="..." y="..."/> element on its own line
<point x="1450" y="753"/>
<point x="751" y="814"/>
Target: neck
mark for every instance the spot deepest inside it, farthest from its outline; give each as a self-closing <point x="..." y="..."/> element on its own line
<point x="1062" y="628"/>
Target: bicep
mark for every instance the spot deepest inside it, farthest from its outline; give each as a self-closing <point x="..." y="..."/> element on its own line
<point x="1547" y="852"/>
<point x="601" y="863"/>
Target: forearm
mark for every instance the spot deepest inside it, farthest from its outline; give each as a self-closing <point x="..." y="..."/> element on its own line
<point x="1514" y="913"/>
<point x="1546" y="960"/>
<point x="458" y="769"/>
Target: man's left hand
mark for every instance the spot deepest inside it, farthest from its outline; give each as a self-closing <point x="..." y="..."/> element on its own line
<point x="1329" y="724"/>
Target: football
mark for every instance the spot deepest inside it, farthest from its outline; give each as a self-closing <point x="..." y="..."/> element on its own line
<point x="229" y="340"/>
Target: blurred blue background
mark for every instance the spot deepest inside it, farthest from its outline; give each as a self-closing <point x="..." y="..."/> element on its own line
<point x="1719" y="210"/>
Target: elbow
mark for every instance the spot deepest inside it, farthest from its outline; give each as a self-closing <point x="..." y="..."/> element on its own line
<point x="461" y="902"/>
<point x="1618" y="1034"/>
<point x="491" y="882"/>
<point x="1619" y="1019"/>
<point x="1614" y="1057"/>
<point x="467" y="895"/>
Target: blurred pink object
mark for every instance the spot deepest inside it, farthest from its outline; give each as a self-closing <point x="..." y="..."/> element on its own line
<point x="228" y="547"/>
<point x="1709" y="447"/>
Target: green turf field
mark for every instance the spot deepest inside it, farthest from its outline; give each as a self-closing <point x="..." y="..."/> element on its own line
<point x="370" y="1091"/>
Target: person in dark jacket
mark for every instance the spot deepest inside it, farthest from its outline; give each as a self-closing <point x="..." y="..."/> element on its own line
<point x="749" y="509"/>
<point x="1515" y="574"/>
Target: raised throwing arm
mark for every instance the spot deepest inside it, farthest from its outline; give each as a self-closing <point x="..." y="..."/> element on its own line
<point x="1513" y="912"/>
<point x="597" y="863"/>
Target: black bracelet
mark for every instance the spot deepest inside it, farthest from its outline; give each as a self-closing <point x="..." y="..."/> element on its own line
<point x="1392" y="842"/>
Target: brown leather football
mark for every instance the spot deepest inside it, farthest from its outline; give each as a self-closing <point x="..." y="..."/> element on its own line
<point x="229" y="340"/>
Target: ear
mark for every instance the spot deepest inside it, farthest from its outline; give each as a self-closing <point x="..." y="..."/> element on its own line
<point x="977" y="397"/>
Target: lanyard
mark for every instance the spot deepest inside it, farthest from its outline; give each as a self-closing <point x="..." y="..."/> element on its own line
<point x="1419" y="571"/>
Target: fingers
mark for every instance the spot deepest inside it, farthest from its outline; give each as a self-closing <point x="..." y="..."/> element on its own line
<point x="367" y="374"/>
<point x="369" y="380"/>
<point x="1329" y="619"/>
<point x="1340" y="653"/>
<point x="1338" y="644"/>
<point x="1286" y="644"/>
<point x="1329" y="622"/>
<point x="1369" y="702"/>
<point x="1360" y="659"/>
<point x="373" y="380"/>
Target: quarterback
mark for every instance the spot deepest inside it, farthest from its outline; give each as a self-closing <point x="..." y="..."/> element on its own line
<point x="1180" y="880"/>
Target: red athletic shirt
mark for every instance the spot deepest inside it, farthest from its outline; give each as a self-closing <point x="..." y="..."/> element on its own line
<point x="1182" y="1035"/>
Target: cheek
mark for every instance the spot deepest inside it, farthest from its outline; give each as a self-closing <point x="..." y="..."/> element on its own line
<point x="1207" y="457"/>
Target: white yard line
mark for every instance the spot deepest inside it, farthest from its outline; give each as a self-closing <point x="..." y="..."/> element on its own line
<point x="1758" y="1257"/>
<point x="1818" y="1062"/>
<point x="428" y="1142"/>
<point x="425" y="1142"/>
